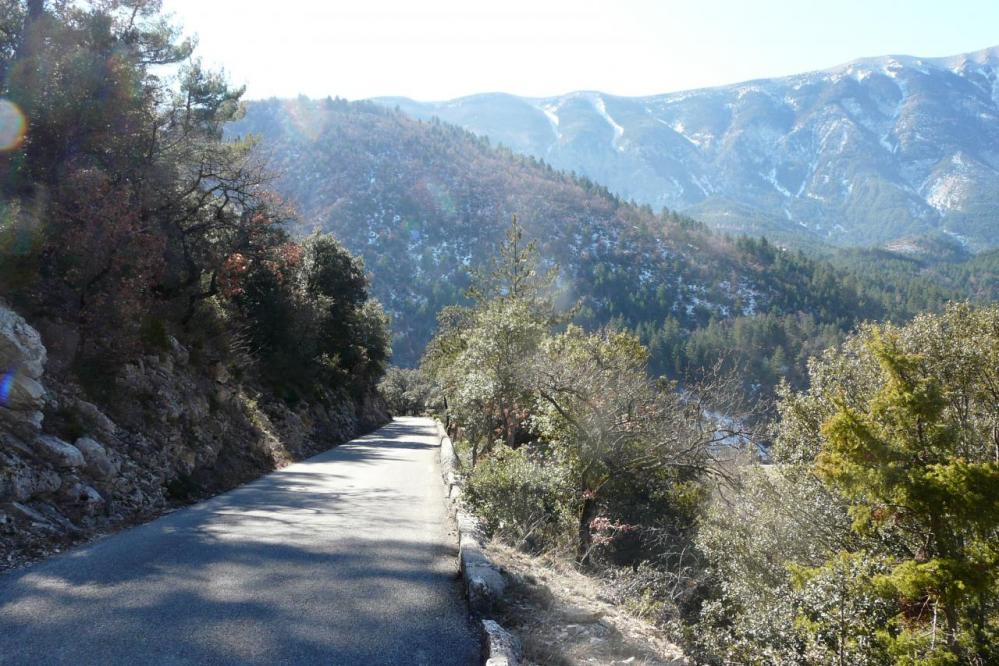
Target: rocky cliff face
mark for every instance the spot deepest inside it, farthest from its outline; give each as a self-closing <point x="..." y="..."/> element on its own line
<point x="70" y="469"/>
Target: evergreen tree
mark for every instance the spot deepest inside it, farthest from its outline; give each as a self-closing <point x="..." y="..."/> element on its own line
<point x="900" y="463"/>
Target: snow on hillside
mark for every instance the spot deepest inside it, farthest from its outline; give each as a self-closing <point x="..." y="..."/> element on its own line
<point x="879" y="148"/>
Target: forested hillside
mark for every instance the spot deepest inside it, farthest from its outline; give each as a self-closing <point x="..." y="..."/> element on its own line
<point x="425" y="202"/>
<point x="939" y="260"/>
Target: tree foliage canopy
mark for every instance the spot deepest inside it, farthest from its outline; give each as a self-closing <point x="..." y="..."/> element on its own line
<point x="886" y="491"/>
<point x="124" y="208"/>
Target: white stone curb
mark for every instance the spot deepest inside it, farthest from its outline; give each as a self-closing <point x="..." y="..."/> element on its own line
<point x="484" y="584"/>
<point x="503" y="648"/>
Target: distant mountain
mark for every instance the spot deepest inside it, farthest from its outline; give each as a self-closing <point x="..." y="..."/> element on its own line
<point x="869" y="152"/>
<point x="425" y="202"/>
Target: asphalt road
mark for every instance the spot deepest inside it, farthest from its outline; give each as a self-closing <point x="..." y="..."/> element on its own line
<point x="345" y="558"/>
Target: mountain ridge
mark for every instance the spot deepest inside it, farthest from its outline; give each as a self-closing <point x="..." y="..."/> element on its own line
<point x="865" y="152"/>
<point x="989" y="52"/>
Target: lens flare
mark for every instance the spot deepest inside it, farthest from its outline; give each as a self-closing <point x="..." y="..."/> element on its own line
<point x="13" y="126"/>
<point x="6" y="383"/>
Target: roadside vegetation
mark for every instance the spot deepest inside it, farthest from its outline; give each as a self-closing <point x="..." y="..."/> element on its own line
<point x="409" y="392"/>
<point x="870" y="539"/>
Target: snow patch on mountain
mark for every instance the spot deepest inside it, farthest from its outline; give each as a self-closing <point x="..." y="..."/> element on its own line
<point x="601" y="108"/>
<point x="705" y="187"/>
<point x="677" y="185"/>
<point x="847" y="186"/>
<point x="866" y="146"/>
<point x="698" y="139"/>
<point x="551" y="113"/>
<point x="993" y="75"/>
<point x="889" y="139"/>
<point x="949" y="191"/>
<point x="771" y="178"/>
<point x="963" y="240"/>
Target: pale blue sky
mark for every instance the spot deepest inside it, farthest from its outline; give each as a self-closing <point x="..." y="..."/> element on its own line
<point x="438" y="49"/>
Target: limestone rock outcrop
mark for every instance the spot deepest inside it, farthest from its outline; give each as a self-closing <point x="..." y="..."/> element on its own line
<point x="22" y="363"/>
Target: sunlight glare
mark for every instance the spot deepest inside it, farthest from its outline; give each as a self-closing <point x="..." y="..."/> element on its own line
<point x="13" y="126"/>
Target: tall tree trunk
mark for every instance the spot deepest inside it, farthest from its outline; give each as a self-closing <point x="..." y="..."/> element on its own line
<point x="952" y="628"/>
<point x="36" y="9"/>
<point x="511" y="429"/>
<point x="584" y="538"/>
<point x="27" y="44"/>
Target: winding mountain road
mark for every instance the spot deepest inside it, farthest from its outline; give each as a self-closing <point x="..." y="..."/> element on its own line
<point x="344" y="558"/>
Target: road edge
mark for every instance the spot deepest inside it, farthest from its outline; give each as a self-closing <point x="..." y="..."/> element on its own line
<point x="484" y="583"/>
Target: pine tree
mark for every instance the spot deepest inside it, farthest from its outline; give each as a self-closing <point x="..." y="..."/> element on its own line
<point x="900" y="464"/>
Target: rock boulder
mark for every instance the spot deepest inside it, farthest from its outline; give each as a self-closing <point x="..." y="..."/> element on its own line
<point x="20" y="345"/>
<point x="59" y="453"/>
<point x="98" y="461"/>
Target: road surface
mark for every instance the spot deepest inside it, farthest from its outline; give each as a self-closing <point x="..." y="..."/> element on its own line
<point x="344" y="558"/>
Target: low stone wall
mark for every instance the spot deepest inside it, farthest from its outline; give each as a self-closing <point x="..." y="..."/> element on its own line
<point x="484" y="583"/>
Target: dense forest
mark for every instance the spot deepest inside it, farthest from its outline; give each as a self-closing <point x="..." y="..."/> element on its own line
<point x="943" y="264"/>
<point x="425" y="202"/>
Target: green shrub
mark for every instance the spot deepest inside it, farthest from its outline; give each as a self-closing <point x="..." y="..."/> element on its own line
<point x="523" y="498"/>
<point x="872" y="539"/>
<point x="20" y="249"/>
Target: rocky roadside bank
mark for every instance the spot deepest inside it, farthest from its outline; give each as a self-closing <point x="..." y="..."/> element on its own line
<point x="176" y="431"/>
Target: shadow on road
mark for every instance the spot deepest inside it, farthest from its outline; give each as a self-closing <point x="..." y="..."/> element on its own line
<point x="328" y="561"/>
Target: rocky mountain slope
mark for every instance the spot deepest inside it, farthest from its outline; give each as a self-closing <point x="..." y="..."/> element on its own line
<point x="864" y="153"/>
<point x="425" y="202"/>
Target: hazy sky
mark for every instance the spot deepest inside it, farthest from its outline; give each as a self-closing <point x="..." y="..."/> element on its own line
<point x="438" y="49"/>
